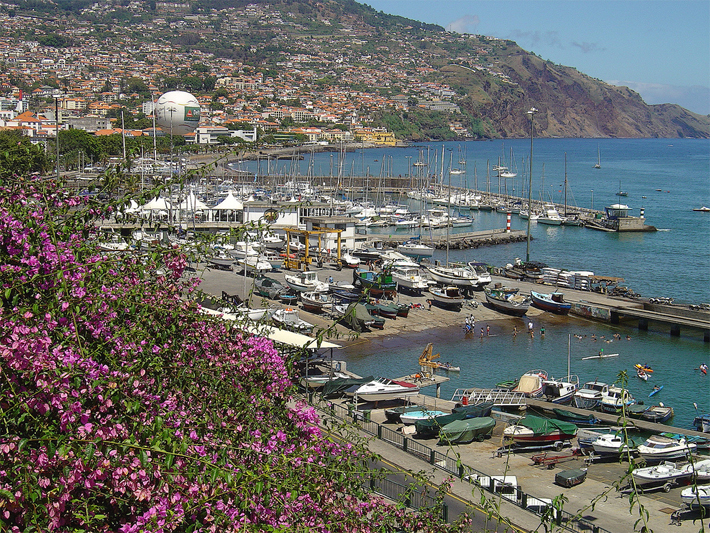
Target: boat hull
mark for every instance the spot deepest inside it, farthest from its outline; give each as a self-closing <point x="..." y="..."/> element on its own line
<point x="547" y="302"/>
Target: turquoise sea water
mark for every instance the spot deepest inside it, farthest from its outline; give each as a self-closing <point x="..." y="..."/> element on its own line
<point x="672" y="262"/>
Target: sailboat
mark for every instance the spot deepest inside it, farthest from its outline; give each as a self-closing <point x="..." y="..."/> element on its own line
<point x="599" y="159"/>
<point x="562" y="391"/>
<point x="568" y="220"/>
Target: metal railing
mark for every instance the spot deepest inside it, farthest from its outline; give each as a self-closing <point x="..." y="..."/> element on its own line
<point x="499" y="397"/>
<point x="492" y="484"/>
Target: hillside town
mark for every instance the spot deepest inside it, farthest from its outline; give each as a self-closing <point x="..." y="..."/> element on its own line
<point x="326" y="91"/>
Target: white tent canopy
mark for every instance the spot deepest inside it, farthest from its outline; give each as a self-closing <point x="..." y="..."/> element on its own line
<point x="157" y="204"/>
<point x="192" y="203"/>
<point x="230" y="203"/>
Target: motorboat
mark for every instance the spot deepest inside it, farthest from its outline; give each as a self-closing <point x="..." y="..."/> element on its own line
<point x="665" y="474"/>
<point x="273" y="242"/>
<point x="411" y="417"/>
<point x="415" y="249"/>
<point x="305" y="282"/>
<point x="614" y="444"/>
<point x="590" y="395"/>
<point x="642" y="374"/>
<point x="659" y="414"/>
<point x="449" y="297"/>
<point x="430" y="427"/>
<point x="254" y="265"/>
<point x="393" y="414"/>
<point x="700" y="470"/>
<point x="481" y="270"/>
<point x="703" y="209"/>
<point x="616" y="399"/>
<point x="538" y="431"/>
<point x="550" y="216"/>
<point x="467" y="430"/>
<point x="409" y="278"/>
<point x="317" y="380"/>
<point x="660" y="448"/>
<point x="289" y="319"/>
<point x="532" y="383"/>
<point x="702" y="423"/>
<point x="696" y="497"/>
<point x="274" y="258"/>
<point x="553" y="302"/>
<point x="269" y="287"/>
<point x="560" y="391"/>
<point x="511" y="303"/>
<point x="221" y="261"/>
<point x="244" y="249"/>
<point x="314" y="301"/>
<point x="350" y="260"/>
<point x="254" y="314"/>
<point x="383" y="389"/>
<point x="458" y="276"/>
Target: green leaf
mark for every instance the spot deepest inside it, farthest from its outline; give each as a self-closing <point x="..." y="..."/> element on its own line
<point x="7" y="494"/>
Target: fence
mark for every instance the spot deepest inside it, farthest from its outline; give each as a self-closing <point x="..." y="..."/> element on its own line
<point x="496" y="485"/>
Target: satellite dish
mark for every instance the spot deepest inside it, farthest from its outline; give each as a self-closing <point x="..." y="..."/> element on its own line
<point x="177" y="112"/>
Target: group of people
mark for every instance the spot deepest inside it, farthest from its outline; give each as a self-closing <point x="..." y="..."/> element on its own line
<point x="470" y="327"/>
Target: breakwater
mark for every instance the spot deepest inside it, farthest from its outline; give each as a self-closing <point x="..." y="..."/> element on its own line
<point x="462" y="241"/>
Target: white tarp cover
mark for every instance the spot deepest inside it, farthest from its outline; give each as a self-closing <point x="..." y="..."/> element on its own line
<point x="157" y="204"/>
<point x="193" y="203"/>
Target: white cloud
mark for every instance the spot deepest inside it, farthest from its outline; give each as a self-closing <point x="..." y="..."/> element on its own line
<point x="465" y="24"/>
<point x="695" y="98"/>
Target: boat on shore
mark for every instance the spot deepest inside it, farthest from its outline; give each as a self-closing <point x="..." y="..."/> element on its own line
<point x="431" y="426"/>
<point x="666" y="474"/>
<point x="503" y="300"/>
<point x="467" y="430"/>
<point x="415" y="249"/>
<point x="577" y="419"/>
<point x="531" y="383"/>
<point x="314" y="302"/>
<point x="553" y="302"/>
<point x="660" y="448"/>
<point x="457" y="276"/>
<point x="356" y="316"/>
<point x="614" y="444"/>
<point x="696" y="497"/>
<point x="409" y="278"/>
<point x="449" y="297"/>
<point x="377" y="283"/>
<point x="306" y="281"/>
<point x="289" y="319"/>
<point x="411" y="418"/>
<point x="269" y="287"/>
<point x="536" y="431"/>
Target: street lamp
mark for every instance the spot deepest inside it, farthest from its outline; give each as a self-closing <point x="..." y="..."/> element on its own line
<point x="531" y="112"/>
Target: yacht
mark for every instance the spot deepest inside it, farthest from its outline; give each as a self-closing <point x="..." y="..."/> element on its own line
<point x="550" y="216"/>
<point x="409" y="278"/>
<point x="660" y="448"/>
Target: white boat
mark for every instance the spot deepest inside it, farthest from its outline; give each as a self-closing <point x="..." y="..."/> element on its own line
<point x="458" y="276"/>
<point x="531" y="383"/>
<point x="549" y="216"/>
<point x="244" y="249"/>
<point x="273" y="242"/>
<point x="254" y="265"/>
<point x="590" y="394"/>
<point x="560" y="391"/>
<point x="253" y="314"/>
<point x="315" y="301"/>
<point x="274" y="259"/>
<point x="665" y="474"/>
<point x="611" y="444"/>
<point x="350" y="260"/>
<point x="660" y="448"/>
<point x="615" y="398"/>
<point x="415" y="249"/>
<point x="412" y="417"/>
<point x="305" y="282"/>
<point x="481" y="270"/>
<point x="696" y="497"/>
<point x="447" y="296"/>
<point x="383" y="389"/>
<point x="409" y="278"/>
<point x="700" y="470"/>
<point x="289" y="319"/>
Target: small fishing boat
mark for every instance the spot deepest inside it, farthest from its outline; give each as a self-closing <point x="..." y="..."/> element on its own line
<point x="560" y="391"/>
<point x="553" y="302"/>
<point x="409" y="278"/>
<point x="357" y="316"/>
<point x="656" y="390"/>
<point x="269" y="287"/>
<point x="666" y="474"/>
<point x="382" y="310"/>
<point x="350" y="261"/>
<point x="288" y="318"/>
<point x="502" y="300"/>
<point x="696" y="497"/>
<point x="467" y="430"/>
<point x="393" y="414"/>
<point x="457" y="276"/>
<point x="305" y="282"/>
<point x="314" y="301"/>
<point x="446" y="366"/>
<point x="702" y="423"/>
<point x="222" y="262"/>
<point x="449" y="297"/>
<point x="659" y="414"/>
<point x="254" y="265"/>
<point x="660" y="448"/>
<point x="537" y="431"/>
<point x="590" y="395"/>
<point x="376" y="283"/>
<point x="509" y="384"/>
<point x="700" y="470"/>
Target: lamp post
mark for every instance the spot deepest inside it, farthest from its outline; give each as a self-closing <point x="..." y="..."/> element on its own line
<point x="531" y="112"/>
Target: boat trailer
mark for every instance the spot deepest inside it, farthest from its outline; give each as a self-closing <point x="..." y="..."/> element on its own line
<point x="550" y="460"/>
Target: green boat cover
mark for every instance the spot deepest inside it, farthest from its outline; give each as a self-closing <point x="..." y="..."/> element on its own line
<point x="570" y="478"/>
<point x="570" y="416"/>
<point x="467" y="430"/>
<point x="541" y="426"/>
<point x="338" y="385"/>
<point x="430" y="427"/>
<point x="473" y="411"/>
<point x="356" y="315"/>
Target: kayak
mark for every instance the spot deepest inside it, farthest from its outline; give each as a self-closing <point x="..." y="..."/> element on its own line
<point x="646" y="369"/>
<point x="601" y="356"/>
<point x="654" y="391"/>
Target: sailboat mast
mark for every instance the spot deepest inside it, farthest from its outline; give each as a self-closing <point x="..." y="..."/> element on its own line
<point x="565" y="184"/>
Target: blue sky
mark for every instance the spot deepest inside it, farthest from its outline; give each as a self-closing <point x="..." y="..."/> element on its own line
<point x="659" y="48"/>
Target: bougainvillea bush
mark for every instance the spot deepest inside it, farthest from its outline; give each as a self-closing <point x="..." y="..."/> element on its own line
<point x="123" y="408"/>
